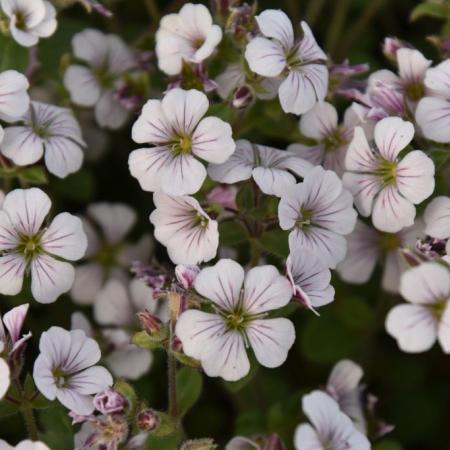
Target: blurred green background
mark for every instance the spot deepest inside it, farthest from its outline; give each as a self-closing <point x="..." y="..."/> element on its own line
<point x="414" y="390"/>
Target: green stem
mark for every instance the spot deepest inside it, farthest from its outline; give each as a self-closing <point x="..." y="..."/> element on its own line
<point x="30" y="422"/>
<point x="172" y="377"/>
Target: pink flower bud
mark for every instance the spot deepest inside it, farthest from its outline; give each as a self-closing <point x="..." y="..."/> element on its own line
<point x="148" y="420"/>
<point x="242" y="97"/>
<point x="186" y="275"/>
<point x="224" y="195"/>
<point x="391" y="45"/>
<point x="149" y="322"/>
<point x="110" y="402"/>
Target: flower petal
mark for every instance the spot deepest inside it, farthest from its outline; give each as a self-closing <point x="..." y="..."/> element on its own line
<point x="4" y="377"/>
<point x="391" y="211"/>
<point x="221" y="283"/>
<point x="130" y="362"/>
<point x="91" y="380"/>
<point x="62" y="156"/>
<point x="265" y="57"/>
<point x="50" y="278"/>
<point x="319" y="122"/>
<point x="14" y="99"/>
<point x="82" y="85"/>
<point x="392" y="135"/>
<point x="22" y="145"/>
<point x="437" y="218"/>
<point x="271" y="340"/>
<point x="109" y="113"/>
<point x="65" y="237"/>
<point x="73" y="401"/>
<point x="12" y="270"/>
<point x="433" y="117"/>
<point x="152" y="125"/>
<point x="212" y="140"/>
<point x="89" y="279"/>
<point x="265" y="289"/>
<point x="9" y="239"/>
<point x="413" y="326"/>
<point x="274" y="23"/>
<point x="360" y="156"/>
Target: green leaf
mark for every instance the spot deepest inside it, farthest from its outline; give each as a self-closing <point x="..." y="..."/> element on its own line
<point x="429" y="10"/>
<point x="58" y="430"/>
<point x="169" y="442"/>
<point x="232" y="233"/>
<point x="356" y="313"/>
<point x="189" y="388"/>
<point x="79" y="187"/>
<point x="275" y="242"/>
<point x="35" y="175"/>
<point x="144" y="340"/>
<point x="236" y="386"/>
<point x="8" y="409"/>
<point x="387" y="444"/>
<point x="187" y="360"/>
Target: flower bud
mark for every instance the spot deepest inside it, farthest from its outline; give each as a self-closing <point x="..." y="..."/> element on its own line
<point x="242" y="97"/>
<point x="148" y="420"/>
<point x="241" y="23"/>
<point x="109" y="402"/>
<point x="149" y="322"/>
<point x="186" y="275"/>
<point x="152" y="276"/>
<point x="273" y="442"/>
<point x="391" y="45"/>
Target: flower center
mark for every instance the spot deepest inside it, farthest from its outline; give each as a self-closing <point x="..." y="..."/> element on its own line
<point x="387" y="171"/>
<point x="20" y="20"/>
<point x="304" y="218"/>
<point x="438" y="308"/>
<point x="201" y="221"/>
<point x="334" y="141"/>
<point x="182" y="145"/>
<point x="235" y="321"/>
<point x="389" y="241"/>
<point x="30" y="246"/>
<point x="107" y="254"/>
<point x="415" y="91"/>
<point x="292" y="58"/>
<point x="104" y="78"/>
<point x="61" y="379"/>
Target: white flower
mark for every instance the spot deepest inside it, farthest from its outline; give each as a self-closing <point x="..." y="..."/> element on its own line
<point x="178" y="134"/>
<point x="30" y="20"/>
<point x="437" y="220"/>
<point x="319" y="214"/>
<point x="366" y="246"/>
<point x="310" y="279"/>
<point x="433" y="111"/>
<point x="301" y="64"/>
<point x="344" y="386"/>
<point x="14" y="99"/>
<point x="116" y="305"/>
<point x="65" y="369"/>
<point x="332" y="430"/>
<point x="187" y="36"/>
<point x="49" y="129"/>
<point x="321" y="124"/>
<point x="5" y="375"/>
<point x="27" y="246"/>
<point x="269" y="167"/>
<point x="106" y="58"/>
<point x="11" y="339"/>
<point x="24" y="445"/>
<point x="417" y="324"/>
<point x="108" y="253"/>
<point x="240" y="301"/>
<point x="383" y="184"/>
<point x="190" y="235"/>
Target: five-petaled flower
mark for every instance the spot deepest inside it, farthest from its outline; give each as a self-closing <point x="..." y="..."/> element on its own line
<point x="383" y="184"/>
<point x="301" y="64"/>
<point x="65" y="369"/>
<point x="178" y="134"/>
<point x="416" y="325"/>
<point x="272" y="169"/>
<point x="188" y="36"/>
<point x="28" y="246"/>
<point x="181" y="224"/>
<point x="240" y="304"/>
<point x="46" y="129"/>
<point x="319" y="212"/>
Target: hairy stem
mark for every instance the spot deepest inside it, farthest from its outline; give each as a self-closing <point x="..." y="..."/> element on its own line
<point x="30" y="422"/>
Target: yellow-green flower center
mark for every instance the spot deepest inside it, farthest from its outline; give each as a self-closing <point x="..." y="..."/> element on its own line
<point x="182" y="145"/>
<point x="334" y="141"/>
<point x="387" y="171"/>
<point x="415" y="91"/>
<point x="30" y="246"/>
<point x="304" y="218"/>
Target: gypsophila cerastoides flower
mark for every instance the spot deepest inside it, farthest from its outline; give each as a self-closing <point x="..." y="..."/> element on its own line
<point x="181" y="224"/>
<point x="319" y="213"/>
<point x="27" y="246"/>
<point x="65" y="369"/>
<point x="109" y="253"/>
<point x="104" y="58"/>
<point x="437" y="220"/>
<point x="417" y="325"/>
<point x="178" y="135"/>
<point x="240" y="302"/>
<point x="383" y="184"/>
<point x="24" y="445"/>
<point x="272" y="169"/>
<point x="187" y="36"/>
<point x="300" y="64"/>
<point x="49" y="130"/>
<point x="30" y="20"/>
<point x="331" y="430"/>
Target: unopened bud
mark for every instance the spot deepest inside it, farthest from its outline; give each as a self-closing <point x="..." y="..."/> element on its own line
<point x="391" y="45"/>
<point x="273" y="442"/>
<point x="148" y="420"/>
<point x="110" y="402"/>
<point x="149" y="322"/>
<point x="242" y="97"/>
<point x="186" y="275"/>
